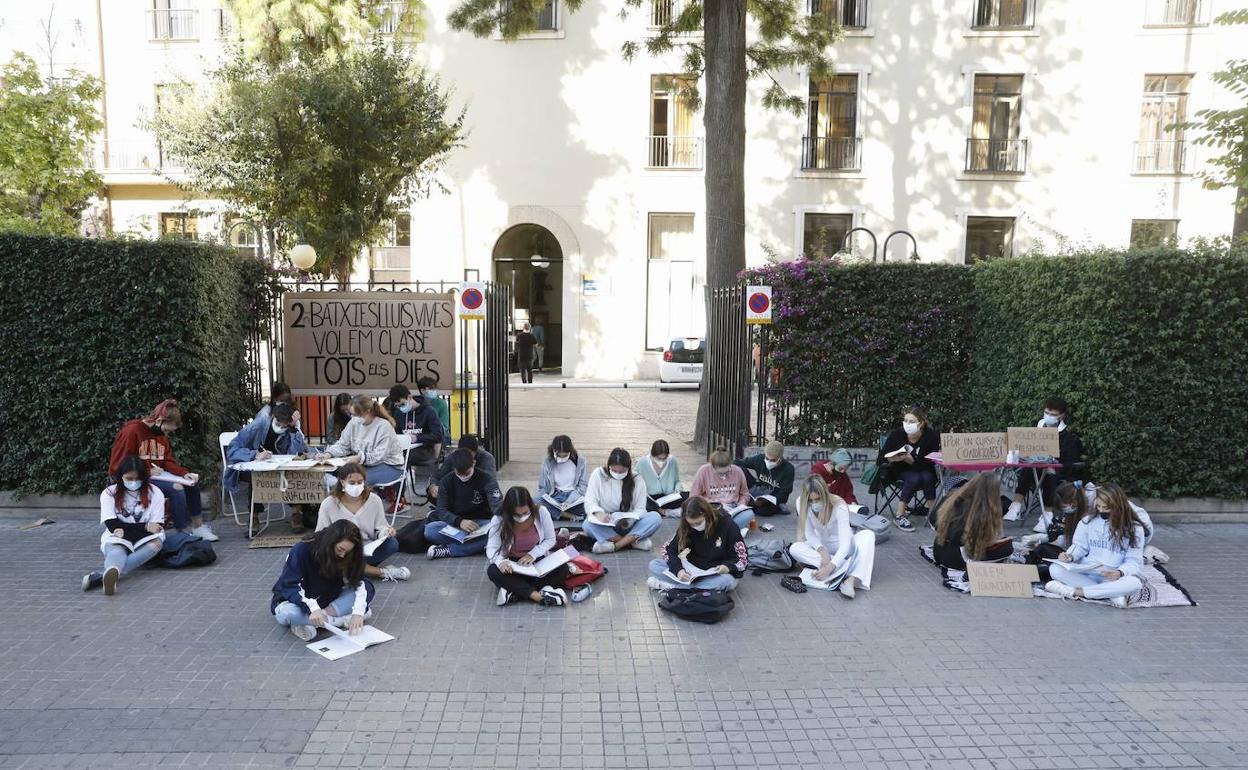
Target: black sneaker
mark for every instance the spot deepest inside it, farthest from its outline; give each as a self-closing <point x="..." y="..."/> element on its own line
<point x="438" y="552"/>
<point x="92" y="580"/>
<point x="554" y="597"/>
<point x="903" y="523"/>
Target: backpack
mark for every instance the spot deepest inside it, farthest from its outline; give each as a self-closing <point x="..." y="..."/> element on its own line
<point x="770" y="555"/>
<point x="183" y="550"/>
<point x="698" y="606"/>
<point x="590" y="570"/>
<point x="411" y="537"/>
<point x="881" y="526"/>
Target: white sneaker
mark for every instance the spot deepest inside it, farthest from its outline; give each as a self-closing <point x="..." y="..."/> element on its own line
<point x="503" y="598"/>
<point x="1119" y="601"/>
<point x="1059" y="588"/>
<point x="744" y="531"/>
<point x="564" y="533"/>
<point x="305" y="633"/>
<point x="643" y="544"/>
<point x="1015" y="512"/>
<point x="1155" y="555"/>
<point x="205" y="531"/>
<point x="604" y="546"/>
<point x="1042" y="526"/>
<point x="395" y="573"/>
<point x="654" y="584"/>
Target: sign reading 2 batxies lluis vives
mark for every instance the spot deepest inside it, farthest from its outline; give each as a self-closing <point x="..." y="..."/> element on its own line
<point x="366" y="341"/>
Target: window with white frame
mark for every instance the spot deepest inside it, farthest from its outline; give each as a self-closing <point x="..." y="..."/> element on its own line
<point x="823" y="234"/>
<point x="1161" y="148"/>
<point x="995" y="144"/>
<point x="1004" y="14"/>
<point x="988" y="238"/>
<point x="673" y="140"/>
<point x="179" y="225"/>
<point x="831" y="141"/>
<point x="850" y="14"/>
<point x="547" y="18"/>
<point x="173" y="20"/>
<point x="673" y="288"/>
<point x="1146" y="233"/>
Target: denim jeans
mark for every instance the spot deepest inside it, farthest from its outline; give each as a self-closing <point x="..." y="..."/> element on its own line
<point x="382" y="474"/>
<point x="185" y="502"/>
<point x="433" y="533"/>
<point x="120" y="557"/>
<point x="384" y="551"/>
<point x="644" y="527"/>
<point x="288" y="614"/>
<point x="708" y="583"/>
<point x="743" y="518"/>
<point x="575" y="512"/>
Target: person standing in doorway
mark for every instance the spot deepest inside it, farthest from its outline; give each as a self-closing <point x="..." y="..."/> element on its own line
<point x="539" y="334"/>
<point x="526" y="343"/>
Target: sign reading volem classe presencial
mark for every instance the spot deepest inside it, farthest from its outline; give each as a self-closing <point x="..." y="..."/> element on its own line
<point x="366" y="341"/>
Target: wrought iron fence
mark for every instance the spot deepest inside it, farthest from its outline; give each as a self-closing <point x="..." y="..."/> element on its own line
<point x="1006" y="156"/>
<point x="833" y="153"/>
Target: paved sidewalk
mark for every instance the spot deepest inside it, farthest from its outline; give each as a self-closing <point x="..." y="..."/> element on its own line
<point x="187" y="669"/>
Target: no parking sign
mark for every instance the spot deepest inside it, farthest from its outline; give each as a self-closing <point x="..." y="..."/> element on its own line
<point x="758" y="304"/>
<point x="471" y="304"/>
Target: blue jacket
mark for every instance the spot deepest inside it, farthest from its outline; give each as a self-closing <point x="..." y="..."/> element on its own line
<point x="248" y="441"/>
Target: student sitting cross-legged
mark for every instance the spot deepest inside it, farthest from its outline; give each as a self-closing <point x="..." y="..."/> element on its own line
<point x="131" y="509"/>
<point x="1107" y="554"/>
<point x="615" y="507"/>
<point x="481" y="458"/>
<point x="564" y="477"/>
<point x="770" y="475"/>
<point x="835" y="473"/>
<point x="521" y="534"/>
<point x="469" y="498"/>
<point x="831" y="546"/>
<point x="323" y="582"/>
<point x="724" y="484"/>
<point x="706" y="540"/>
<point x="350" y="500"/>
<point x="968" y="524"/>
<point x="661" y="473"/>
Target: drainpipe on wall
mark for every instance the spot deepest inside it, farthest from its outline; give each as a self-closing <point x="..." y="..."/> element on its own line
<point x="99" y="31"/>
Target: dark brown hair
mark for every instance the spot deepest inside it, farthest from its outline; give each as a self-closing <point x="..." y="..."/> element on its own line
<point x="1122" y="520"/>
<point x="339" y="491"/>
<point x="516" y="497"/>
<point x="695" y="506"/>
<point x="1068" y="494"/>
<point x="351" y="568"/>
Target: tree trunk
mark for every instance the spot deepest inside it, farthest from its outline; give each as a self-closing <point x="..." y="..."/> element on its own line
<point x="1240" y="228"/>
<point x="724" y="120"/>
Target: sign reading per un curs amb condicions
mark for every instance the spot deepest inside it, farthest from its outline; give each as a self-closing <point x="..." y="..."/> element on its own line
<point x="366" y="341"/>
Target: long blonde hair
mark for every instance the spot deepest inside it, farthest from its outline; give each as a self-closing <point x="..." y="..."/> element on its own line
<point x="816" y="485"/>
<point x="362" y="403"/>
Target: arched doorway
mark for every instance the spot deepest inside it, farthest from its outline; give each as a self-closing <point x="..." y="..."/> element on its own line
<point x="528" y="258"/>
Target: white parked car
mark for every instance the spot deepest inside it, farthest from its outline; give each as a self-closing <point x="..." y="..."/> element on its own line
<point x="683" y="360"/>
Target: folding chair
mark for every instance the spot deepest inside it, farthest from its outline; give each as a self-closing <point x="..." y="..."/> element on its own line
<point x="405" y="443"/>
<point x="890" y="491"/>
<point x="223" y="441"/>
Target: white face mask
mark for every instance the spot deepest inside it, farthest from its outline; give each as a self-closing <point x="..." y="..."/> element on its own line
<point x="700" y="527"/>
<point x="431" y="393"/>
<point x="563" y="458"/>
<point x="464" y="478"/>
<point x="134" y="485"/>
<point x="659" y="462"/>
<point x="911" y="428"/>
<point x="1051" y="420"/>
<point x="353" y="490"/>
<point x="278" y="429"/>
<point x="520" y="519"/>
<point x="771" y="464"/>
<point x="619" y="476"/>
<point x="816" y="507"/>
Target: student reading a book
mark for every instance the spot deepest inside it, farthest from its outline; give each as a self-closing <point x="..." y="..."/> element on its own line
<point x="968" y="524"/>
<point x="905" y="457"/>
<point x="769" y="475"/>
<point x="835" y="473"/>
<point x="520" y="535"/>
<point x="1070" y="506"/>
<point x="1070" y="455"/>
<point x="351" y="500"/>
<point x="838" y="555"/>
<point x="370" y="440"/>
<point x="132" y="512"/>
<point x="563" y="478"/>
<point x="149" y="439"/>
<point x="481" y="457"/>
<point x="339" y="419"/>
<point x="1106" y="556"/>
<point x="415" y="417"/>
<point x="276" y="434"/>
<point x="661" y="473"/>
<point x="470" y="499"/>
<point x="706" y="542"/>
<point x="724" y="484"/>
<point x="615" y="507"/>
<point x="279" y="393"/>
<point x="323" y="582"/>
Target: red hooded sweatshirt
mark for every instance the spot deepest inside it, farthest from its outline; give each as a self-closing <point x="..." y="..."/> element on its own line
<point x="151" y="444"/>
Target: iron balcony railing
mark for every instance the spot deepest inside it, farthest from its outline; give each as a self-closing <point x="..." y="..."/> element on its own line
<point x="223" y="22"/>
<point x="1176" y="13"/>
<point x="850" y="14"/>
<point x="664" y="12"/>
<point x="831" y="153"/>
<point x="389" y="14"/>
<point x="674" y="152"/>
<point x="1172" y="156"/>
<point x="1002" y="156"/>
<point x="1004" y="14"/>
<point x="173" y="24"/>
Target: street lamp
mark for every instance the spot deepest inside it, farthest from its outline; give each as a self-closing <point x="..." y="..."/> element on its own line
<point x="303" y="256"/>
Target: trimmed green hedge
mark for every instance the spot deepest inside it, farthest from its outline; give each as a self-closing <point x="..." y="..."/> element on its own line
<point x="97" y="332"/>
<point x="1150" y="349"/>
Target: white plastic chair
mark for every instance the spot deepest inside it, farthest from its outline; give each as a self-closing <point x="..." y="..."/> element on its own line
<point x="223" y="441"/>
<point x="405" y="444"/>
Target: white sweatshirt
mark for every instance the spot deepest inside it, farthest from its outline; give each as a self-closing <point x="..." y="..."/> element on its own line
<point x="604" y="494"/>
<point x="132" y="509"/>
<point x="835" y="536"/>
<point x="1094" y="543"/>
<point x="375" y="443"/>
<point x="371" y="518"/>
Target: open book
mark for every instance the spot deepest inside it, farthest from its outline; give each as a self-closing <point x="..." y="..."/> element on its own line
<point x="1079" y="566"/>
<point x="342" y="643"/>
<point x="694" y="574"/>
<point x="769" y="498"/>
<point x="132" y="547"/>
<point x="809" y="579"/>
<point x="611" y="519"/>
<point x="547" y="564"/>
<point x="172" y="478"/>
<point x="665" y="499"/>
<point x="573" y="500"/>
<point x="734" y="510"/>
<point x="896" y="452"/>
<point x="460" y="536"/>
<point x="371" y="547"/>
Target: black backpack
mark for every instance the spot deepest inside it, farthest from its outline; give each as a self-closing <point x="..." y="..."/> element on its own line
<point x="411" y="537"/>
<point x="696" y="605"/>
<point x="181" y="550"/>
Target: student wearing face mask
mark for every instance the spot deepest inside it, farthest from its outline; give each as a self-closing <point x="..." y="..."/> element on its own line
<point x="615" y="489"/>
<point x="412" y="415"/>
<point x="277" y="434"/>
<point x="905" y="457"/>
<point x="721" y="483"/>
<point x="1112" y="538"/>
<point x="706" y="539"/>
<point x="149" y="439"/>
<point x="1070" y="453"/>
<point x="831" y="547"/>
<point x="835" y="473"/>
<point x="521" y="534"/>
<point x="131" y="509"/>
<point x="661" y="474"/>
<point x="428" y="388"/>
<point x="323" y="583"/>
<point x="564" y="476"/>
<point x="470" y="499"/>
<point x="481" y="458"/>
<point x="350" y="500"/>
<point x="371" y="441"/>
<point x="769" y="474"/>
<point x="339" y="419"/>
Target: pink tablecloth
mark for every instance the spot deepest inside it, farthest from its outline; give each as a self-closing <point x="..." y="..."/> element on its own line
<point x="975" y="467"/>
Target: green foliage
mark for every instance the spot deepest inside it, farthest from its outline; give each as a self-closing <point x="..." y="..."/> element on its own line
<point x="1148" y="347"/>
<point x="277" y="31"/>
<point x="332" y="146"/>
<point x="98" y="332"/>
<point x="45" y="140"/>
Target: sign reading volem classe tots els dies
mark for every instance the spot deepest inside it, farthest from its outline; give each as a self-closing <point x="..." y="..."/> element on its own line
<point x="366" y="341"/>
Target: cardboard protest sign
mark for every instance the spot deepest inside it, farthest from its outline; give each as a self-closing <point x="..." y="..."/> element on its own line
<point x="305" y="486"/>
<point x="1008" y="581"/>
<point x="1029" y="442"/>
<point x="972" y="448"/>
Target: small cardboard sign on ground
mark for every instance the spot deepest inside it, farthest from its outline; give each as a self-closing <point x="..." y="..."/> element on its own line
<point x="1029" y="442"/>
<point x="972" y="448"/>
<point x="1007" y="581"/>
<point x="301" y="487"/>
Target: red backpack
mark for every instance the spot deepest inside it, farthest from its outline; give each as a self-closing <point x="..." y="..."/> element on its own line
<point x="590" y="570"/>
